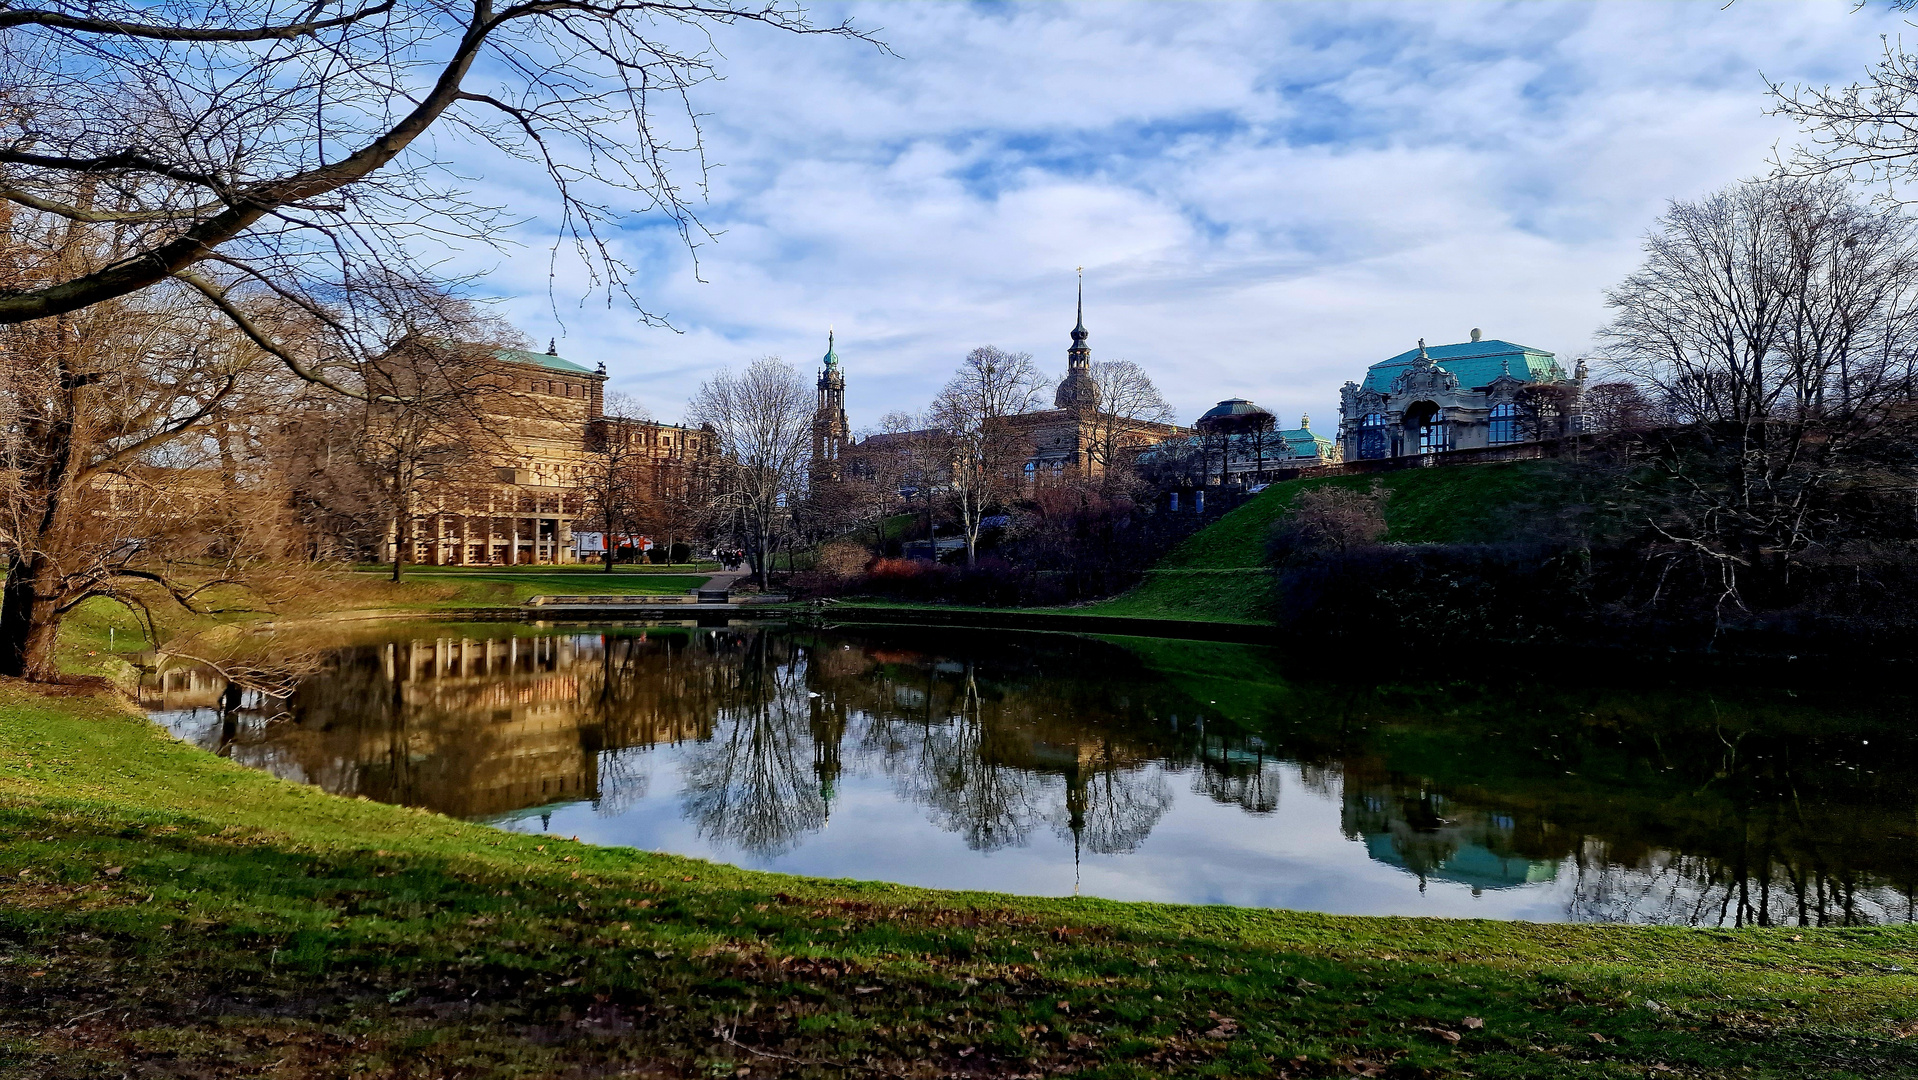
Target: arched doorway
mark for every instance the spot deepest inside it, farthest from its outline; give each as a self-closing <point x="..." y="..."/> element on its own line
<point x="1425" y="430"/>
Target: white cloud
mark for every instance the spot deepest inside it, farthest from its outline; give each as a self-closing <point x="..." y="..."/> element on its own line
<point x="1266" y="197"/>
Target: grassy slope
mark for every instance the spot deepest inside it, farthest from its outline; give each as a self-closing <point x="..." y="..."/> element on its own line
<point x="1217" y="574"/>
<point x="165" y="912"/>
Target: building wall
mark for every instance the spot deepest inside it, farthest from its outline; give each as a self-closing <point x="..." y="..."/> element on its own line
<point x="517" y="503"/>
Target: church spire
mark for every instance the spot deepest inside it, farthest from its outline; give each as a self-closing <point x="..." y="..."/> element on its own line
<point x="1077" y="388"/>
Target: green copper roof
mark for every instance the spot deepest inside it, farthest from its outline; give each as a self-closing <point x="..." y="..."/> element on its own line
<point x="540" y="359"/>
<point x="1473" y="363"/>
<point x="1304" y="443"/>
<point x="831" y="358"/>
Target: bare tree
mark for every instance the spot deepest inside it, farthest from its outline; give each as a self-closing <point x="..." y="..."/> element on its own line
<point x="613" y="482"/>
<point x="1127" y="398"/>
<point x="990" y="386"/>
<point x="1780" y="319"/>
<point x="285" y="144"/>
<point x="126" y="430"/>
<point x="1866" y="129"/>
<point x="420" y="419"/>
<point x="761" y="423"/>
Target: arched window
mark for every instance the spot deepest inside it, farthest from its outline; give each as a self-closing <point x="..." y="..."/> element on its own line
<point x="1374" y="440"/>
<point x="1504" y="424"/>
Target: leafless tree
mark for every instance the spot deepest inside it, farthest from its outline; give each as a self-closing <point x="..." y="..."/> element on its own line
<point x="990" y="386"/>
<point x="614" y="481"/>
<point x="1619" y="406"/>
<point x="1127" y="398"/>
<point x="1780" y="318"/>
<point x="421" y="416"/>
<point x="762" y="426"/>
<point x="1867" y="130"/>
<point x="128" y="433"/>
<point x="286" y="146"/>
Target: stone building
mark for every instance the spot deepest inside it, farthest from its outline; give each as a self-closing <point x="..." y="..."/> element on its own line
<point x="1076" y="435"/>
<point x="517" y="498"/>
<point x="1466" y="396"/>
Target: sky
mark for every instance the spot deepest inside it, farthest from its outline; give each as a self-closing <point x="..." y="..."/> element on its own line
<point x="1265" y="198"/>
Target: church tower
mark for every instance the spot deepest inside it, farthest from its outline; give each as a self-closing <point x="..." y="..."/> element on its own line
<point x="829" y="428"/>
<point x="1077" y="391"/>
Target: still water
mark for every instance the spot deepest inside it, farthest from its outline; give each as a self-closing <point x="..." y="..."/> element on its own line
<point x="1123" y="768"/>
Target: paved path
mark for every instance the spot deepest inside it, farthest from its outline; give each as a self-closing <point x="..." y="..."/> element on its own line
<point x="725" y="579"/>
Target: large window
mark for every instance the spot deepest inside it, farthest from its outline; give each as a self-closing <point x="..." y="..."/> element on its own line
<point x="1432" y="434"/>
<point x="1374" y="440"/>
<point x="1504" y="424"/>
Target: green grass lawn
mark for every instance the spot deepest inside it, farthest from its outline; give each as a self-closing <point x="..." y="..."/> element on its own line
<point x="508" y="586"/>
<point x="164" y="912"/>
<point x="1219" y="575"/>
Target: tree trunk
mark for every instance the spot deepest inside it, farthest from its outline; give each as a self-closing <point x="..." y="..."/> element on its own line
<point x="399" y="537"/>
<point x="29" y="620"/>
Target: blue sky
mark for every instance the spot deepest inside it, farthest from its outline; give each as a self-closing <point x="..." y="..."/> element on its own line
<point x="1266" y="197"/>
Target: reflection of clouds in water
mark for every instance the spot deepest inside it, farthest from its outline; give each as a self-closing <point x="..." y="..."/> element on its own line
<point x="950" y="768"/>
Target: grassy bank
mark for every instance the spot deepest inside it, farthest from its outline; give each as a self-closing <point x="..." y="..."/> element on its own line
<point x="1218" y="574"/>
<point x="99" y="636"/>
<point x="165" y="912"/>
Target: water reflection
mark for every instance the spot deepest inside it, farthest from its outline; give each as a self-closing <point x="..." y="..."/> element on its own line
<point x="1174" y="771"/>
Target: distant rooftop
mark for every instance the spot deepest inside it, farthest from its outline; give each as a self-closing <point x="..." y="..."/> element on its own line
<point x="549" y="361"/>
<point x="1473" y="363"/>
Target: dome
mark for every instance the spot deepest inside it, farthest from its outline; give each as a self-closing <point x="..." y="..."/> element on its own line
<point x="1231" y="409"/>
<point x="831" y="358"/>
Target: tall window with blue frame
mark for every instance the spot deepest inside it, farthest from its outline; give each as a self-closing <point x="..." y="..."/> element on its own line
<point x="1374" y="440"/>
<point x="1432" y="434"/>
<point x="1504" y="424"/>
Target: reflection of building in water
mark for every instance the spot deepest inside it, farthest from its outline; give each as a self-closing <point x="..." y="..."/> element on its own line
<point x="1421" y="831"/>
<point x="471" y="727"/>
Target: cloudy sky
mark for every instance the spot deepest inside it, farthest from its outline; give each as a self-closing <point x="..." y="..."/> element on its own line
<point x="1265" y="197"/>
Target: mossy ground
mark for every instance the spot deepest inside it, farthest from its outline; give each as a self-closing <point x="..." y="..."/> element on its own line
<point x="164" y="912"/>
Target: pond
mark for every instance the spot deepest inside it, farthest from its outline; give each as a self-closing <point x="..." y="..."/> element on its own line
<point x="1126" y="768"/>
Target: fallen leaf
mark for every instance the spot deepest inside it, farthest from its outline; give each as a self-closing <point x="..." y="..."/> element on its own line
<point x="1065" y="1006"/>
<point x="114" y="871"/>
<point x="1448" y="1036"/>
<point x="1596" y="1037"/>
<point x="865" y="989"/>
<point x="1472" y="1022"/>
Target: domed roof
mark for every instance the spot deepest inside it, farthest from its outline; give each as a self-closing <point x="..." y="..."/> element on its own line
<point x="1231" y="408"/>
<point x="831" y="358"/>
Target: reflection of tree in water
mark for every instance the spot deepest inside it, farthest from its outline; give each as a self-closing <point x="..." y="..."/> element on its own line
<point x="1676" y="805"/>
<point x="1246" y="778"/>
<point x="625" y="778"/>
<point x="1112" y="811"/>
<point x="751" y="785"/>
